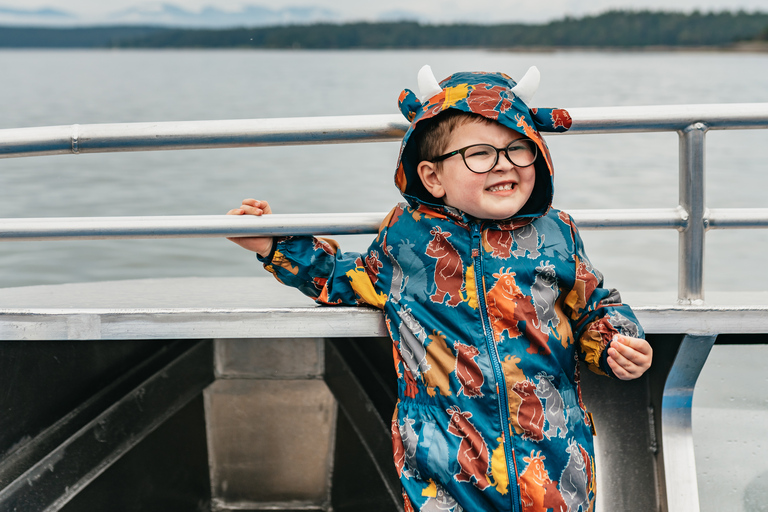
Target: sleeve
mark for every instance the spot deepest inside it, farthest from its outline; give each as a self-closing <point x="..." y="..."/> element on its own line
<point x="597" y="313"/>
<point x="318" y="268"/>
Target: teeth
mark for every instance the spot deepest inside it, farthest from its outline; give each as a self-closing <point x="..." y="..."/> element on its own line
<point x="497" y="188"/>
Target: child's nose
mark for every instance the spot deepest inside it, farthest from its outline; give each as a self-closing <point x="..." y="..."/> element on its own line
<point x="503" y="163"/>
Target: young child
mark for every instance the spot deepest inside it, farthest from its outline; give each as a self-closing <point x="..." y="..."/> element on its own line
<point x="489" y="299"/>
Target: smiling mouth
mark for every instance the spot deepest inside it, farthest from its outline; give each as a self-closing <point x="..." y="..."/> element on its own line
<point x="499" y="188"/>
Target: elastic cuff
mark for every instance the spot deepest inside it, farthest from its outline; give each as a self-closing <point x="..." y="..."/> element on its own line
<point x="268" y="258"/>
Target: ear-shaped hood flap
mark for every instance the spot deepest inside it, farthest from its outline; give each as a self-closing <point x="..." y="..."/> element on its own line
<point x="494" y="96"/>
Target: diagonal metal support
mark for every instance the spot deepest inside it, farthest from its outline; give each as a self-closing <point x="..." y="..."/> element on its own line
<point x="357" y="406"/>
<point x="677" y="436"/>
<point x="51" y="482"/>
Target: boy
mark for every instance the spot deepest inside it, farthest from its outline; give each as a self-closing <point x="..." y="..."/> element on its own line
<point x="489" y="299"/>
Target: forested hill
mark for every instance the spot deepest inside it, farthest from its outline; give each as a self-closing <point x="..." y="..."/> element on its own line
<point x="612" y="29"/>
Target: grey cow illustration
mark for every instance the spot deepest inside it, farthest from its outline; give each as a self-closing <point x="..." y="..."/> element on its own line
<point x="544" y="293"/>
<point x="527" y="240"/>
<point x="442" y="502"/>
<point x="412" y="339"/>
<point x="573" y="481"/>
<point x="554" y="410"/>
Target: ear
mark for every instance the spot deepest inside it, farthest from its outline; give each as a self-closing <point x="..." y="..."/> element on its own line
<point x="430" y="178"/>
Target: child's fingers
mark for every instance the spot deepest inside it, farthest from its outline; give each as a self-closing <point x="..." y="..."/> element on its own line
<point x="256" y="207"/>
<point x="251" y="207"/>
<point x="630" y="357"/>
<point x="619" y="371"/>
<point x="625" y="352"/>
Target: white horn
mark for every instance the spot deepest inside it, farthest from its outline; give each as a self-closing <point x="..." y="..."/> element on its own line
<point x="526" y="87"/>
<point x="428" y="85"/>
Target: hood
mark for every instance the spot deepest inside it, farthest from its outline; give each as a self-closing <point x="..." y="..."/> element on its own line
<point x="494" y="96"/>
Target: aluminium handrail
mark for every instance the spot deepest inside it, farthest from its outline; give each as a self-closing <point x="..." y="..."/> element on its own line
<point x="691" y="218"/>
<point x="172" y="135"/>
<point x="200" y="226"/>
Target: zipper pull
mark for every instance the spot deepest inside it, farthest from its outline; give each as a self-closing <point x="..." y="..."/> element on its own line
<point x="476" y="234"/>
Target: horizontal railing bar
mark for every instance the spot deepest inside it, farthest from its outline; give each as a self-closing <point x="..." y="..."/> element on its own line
<point x="209" y="226"/>
<point x="668" y="117"/>
<point x="171" y="135"/>
<point x="730" y="218"/>
<point x="639" y="218"/>
<point x="105" y="138"/>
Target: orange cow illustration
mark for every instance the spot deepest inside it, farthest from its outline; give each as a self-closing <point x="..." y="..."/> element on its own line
<point x="449" y="269"/>
<point x="467" y="371"/>
<point x="507" y="306"/>
<point x="441" y="363"/>
<point x="512" y="375"/>
<point x="532" y="483"/>
<point x="473" y="455"/>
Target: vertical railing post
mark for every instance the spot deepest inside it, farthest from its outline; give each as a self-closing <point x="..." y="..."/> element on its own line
<point x="691" y="247"/>
<point x="677" y="435"/>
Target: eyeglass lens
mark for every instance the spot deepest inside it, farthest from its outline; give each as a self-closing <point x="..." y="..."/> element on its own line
<point x="482" y="158"/>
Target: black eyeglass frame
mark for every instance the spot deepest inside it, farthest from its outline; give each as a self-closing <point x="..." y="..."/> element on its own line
<point x="463" y="150"/>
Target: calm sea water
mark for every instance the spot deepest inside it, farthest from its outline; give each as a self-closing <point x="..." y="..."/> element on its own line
<point x="41" y="88"/>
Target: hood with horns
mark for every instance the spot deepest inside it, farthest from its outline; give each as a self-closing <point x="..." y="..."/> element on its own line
<point x="494" y="96"/>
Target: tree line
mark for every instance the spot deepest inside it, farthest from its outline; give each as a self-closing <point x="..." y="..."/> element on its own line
<point x="620" y="29"/>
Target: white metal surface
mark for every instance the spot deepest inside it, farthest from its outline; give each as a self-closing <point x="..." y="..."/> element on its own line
<point x="260" y="307"/>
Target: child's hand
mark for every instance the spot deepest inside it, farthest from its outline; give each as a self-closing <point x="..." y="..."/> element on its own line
<point x="258" y="244"/>
<point x="629" y="357"/>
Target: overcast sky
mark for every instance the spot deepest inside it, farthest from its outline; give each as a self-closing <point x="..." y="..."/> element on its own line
<point x="432" y="10"/>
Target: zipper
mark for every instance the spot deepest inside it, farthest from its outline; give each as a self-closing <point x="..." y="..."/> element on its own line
<point x="493" y="353"/>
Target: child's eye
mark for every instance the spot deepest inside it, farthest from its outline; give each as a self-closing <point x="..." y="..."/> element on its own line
<point x="479" y="152"/>
<point x="518" y="146"/>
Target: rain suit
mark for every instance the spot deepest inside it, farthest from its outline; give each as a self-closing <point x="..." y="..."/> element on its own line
<point x="489" y="320"/>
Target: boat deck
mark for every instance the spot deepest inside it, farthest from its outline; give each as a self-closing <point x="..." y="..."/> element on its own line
<point x="260" y="307"/>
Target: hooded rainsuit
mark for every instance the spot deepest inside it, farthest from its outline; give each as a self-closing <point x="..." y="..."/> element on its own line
<point x="489" y="320"/>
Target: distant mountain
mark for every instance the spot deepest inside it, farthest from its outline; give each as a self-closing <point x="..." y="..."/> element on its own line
<point x="212" y="17"/>
<point x="43" y="16"/>
<point x="172" y="15"/>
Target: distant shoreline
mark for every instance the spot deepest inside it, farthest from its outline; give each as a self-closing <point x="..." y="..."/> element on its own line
<point x="625" y="31"/>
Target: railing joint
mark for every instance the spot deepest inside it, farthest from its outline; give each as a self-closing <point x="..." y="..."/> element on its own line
<point x="685" y="218"/>
<point x="74" y="139"/>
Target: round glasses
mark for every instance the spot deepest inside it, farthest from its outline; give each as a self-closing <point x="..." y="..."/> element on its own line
<point x="482" y="158"/>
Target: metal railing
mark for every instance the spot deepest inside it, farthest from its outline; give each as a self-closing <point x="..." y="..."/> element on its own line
<point x="691" y="218"/>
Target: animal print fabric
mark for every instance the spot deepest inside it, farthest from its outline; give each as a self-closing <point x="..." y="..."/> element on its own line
<point x="488" y="319"/>
<point x="488" y="323"/>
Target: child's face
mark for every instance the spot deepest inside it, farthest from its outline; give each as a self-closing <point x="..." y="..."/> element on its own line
<point x="498" y="194"/>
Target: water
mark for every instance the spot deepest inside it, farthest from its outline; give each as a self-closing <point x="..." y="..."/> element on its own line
<point x="42" y="88"/>
<point x="639" y="170"/>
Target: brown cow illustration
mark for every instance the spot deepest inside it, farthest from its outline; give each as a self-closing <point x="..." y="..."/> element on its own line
<point x="473" y="451"/>
<point x="553" y="499"/>
<point x="398" y="450"/>
<point x="498" y="243"/>
<point x="561" y="118"/>
<point x="467" y="371"/>
<point x="449" y="269"/>
<point x="530" y="415"/>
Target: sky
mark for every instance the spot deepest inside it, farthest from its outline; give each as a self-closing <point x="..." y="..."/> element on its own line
<point x="435" y="11"/>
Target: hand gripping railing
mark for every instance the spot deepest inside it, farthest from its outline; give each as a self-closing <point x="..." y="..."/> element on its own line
<point x="691" y="218"/>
